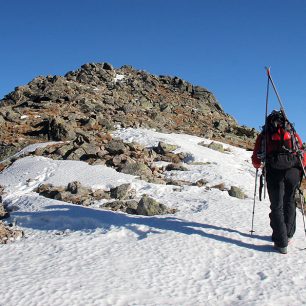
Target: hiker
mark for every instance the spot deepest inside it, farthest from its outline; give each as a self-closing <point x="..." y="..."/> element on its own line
<point x="283" y="172"/>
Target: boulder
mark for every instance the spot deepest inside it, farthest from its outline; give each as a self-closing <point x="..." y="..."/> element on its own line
<point x="199" y="92"/>
<point x="147" y="206"/>
<point x="177" y="167"/>
<point x="12" y="116"/>
<point x="115" y="146"/>
<point x="221" y="125"/>
<point x="174" y="182"/>
<point x="76" y="154"/>
<point x="49" y="191"/>
<point x="163" y="148"/>
<point x="138" y="169"/>
<point x="122" y="192"/>
<point x="100" y="194"/>
<point x="237" y="192"/>
<point x="7" y="150"/>
<point x="106" y="123"/>
<point x="64" y="150"/>
<point x="121" y="205"/>
<point x="59" y="129"/>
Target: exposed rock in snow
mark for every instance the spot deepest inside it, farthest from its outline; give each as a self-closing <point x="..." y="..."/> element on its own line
<point x="8" y="234"/>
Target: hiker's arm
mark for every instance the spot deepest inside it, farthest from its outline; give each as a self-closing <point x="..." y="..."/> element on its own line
<point x="255" y="160"/>
<point x="301" y="146"/>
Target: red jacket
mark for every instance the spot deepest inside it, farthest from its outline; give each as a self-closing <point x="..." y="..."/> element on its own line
<point x="256" y="160"/>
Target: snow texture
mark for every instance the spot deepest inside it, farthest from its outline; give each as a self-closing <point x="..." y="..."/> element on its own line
<point x="202" y="255"/>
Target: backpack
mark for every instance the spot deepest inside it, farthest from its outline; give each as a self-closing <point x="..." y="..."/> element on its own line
<point x="279" y="137"/>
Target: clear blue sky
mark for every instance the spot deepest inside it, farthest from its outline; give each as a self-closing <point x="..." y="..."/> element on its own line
<point x="222" y="45"/>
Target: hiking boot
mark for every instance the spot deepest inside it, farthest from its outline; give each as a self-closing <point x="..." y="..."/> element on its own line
<point x="282" y="250"/>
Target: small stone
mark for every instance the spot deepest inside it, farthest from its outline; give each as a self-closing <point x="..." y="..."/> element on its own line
<point x="200" y="183"/>
<point x="216" y="146"/>
<point x="236" y="192"/>
<point x="73" y="187"/>
<point x="177" y="167"/>
<point x="163" y="148"/>
<point x="220" y="186"/>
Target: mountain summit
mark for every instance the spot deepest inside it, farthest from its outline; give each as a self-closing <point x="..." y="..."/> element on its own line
<point x="97" y="97"/>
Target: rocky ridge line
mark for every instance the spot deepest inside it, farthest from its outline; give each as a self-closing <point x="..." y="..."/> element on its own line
<point x="96" y="98"/>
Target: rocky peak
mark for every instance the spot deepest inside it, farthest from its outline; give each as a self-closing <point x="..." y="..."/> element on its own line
<point x="96" y="97"/>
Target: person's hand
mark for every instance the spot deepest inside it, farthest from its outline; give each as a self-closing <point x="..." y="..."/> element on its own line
<point x="257" y="165"/>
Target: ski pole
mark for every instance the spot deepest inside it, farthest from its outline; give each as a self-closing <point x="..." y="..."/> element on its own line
<point x="303" y="202"/>
<point x="253" y="213"/>
<point x="266" y="134"/>
<point x="264" y="180"/>
<point x="262" y="184"/>
<point x="302" y="198"/>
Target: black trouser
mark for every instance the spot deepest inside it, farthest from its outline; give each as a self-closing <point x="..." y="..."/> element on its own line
<point x="281" y="188"/>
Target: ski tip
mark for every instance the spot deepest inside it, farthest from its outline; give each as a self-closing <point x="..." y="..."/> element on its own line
<point x="268" y="70"/>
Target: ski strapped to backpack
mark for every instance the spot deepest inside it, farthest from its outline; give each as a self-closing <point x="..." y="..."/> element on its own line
<point x="285" y="141"/>
<point x="296" y="147"/>
<point x="279" y="138"/>
<point x="289" y="128"/>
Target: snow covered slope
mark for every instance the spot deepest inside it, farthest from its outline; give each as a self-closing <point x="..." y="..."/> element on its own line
<point x="202" y="255"/>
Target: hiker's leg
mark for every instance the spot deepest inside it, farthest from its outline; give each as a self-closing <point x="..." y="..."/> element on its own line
<point x="275" y="183"/>
<point x="292" y="179"/>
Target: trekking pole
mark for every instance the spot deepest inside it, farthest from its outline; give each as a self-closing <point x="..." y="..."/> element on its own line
<point x="303" y="202"/>
<point x="302" y="207"/>
<point x="266" y="134"/>
<point x="262" y="184"/>
<point x="253" y="213"/>
<point x="296" y="147"/>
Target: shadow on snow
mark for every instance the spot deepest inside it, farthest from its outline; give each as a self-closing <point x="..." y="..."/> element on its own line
<point x="75" y="218"/>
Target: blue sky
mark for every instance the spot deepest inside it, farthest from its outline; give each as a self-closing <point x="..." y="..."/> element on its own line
<point x="222" y="45"/>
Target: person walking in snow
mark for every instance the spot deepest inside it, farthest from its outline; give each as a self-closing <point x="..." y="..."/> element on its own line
<point x="278" y="148"/>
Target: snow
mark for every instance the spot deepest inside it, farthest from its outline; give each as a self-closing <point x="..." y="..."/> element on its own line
<point x="201" y="255"/>
<point x="32" y="148"/>
<point x="119" y="77"/>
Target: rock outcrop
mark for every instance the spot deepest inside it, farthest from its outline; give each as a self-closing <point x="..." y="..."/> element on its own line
<point x="94" y="99"/>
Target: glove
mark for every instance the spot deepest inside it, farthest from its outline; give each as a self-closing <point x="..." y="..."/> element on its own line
<point x="256" y="164"/>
